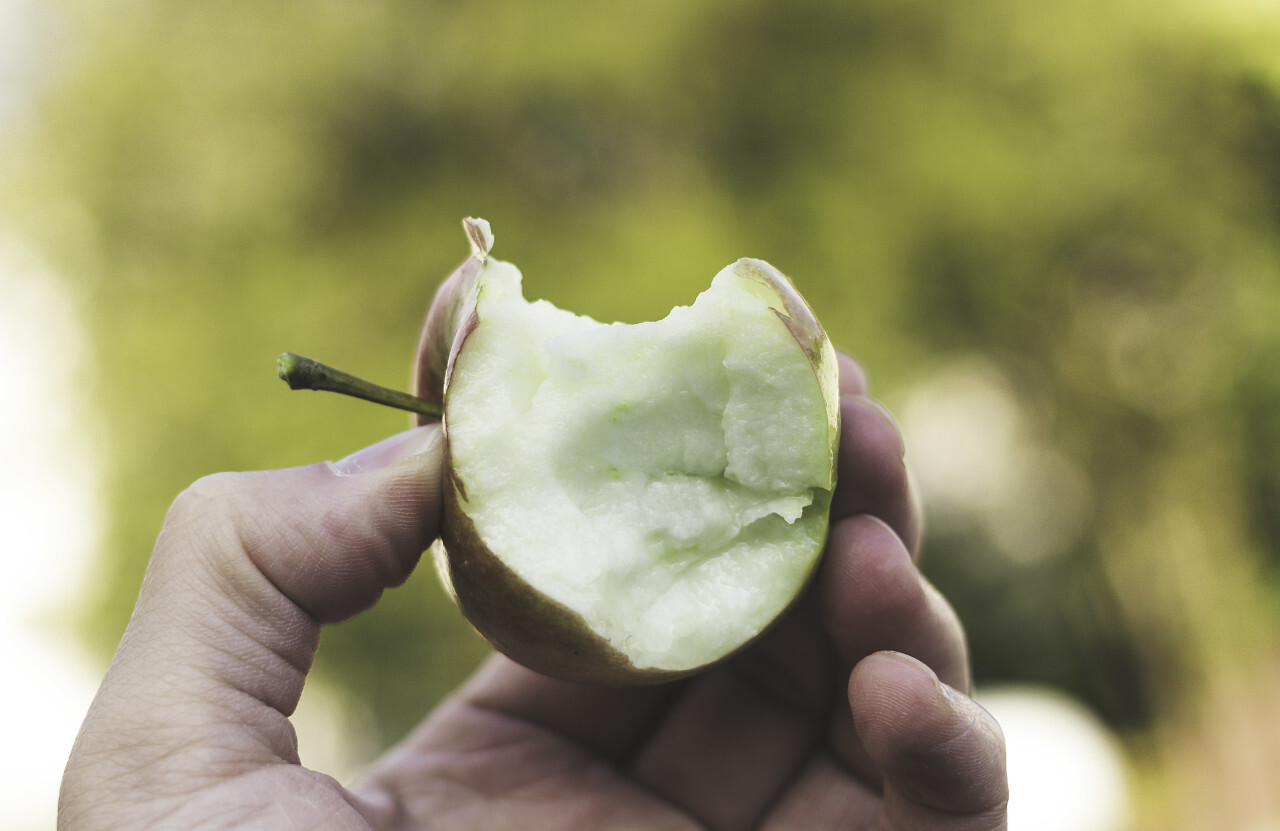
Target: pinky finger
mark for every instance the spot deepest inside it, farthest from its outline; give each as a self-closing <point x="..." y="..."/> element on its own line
<point x="942" y="756"/>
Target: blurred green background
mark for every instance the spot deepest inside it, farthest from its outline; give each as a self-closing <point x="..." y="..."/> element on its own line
<point x="1050" y="231"/>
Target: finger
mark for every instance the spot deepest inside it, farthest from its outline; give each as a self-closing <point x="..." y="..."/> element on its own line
<point x="872" y="476"/>
<point x="872" y="597"/>
<point x="343" y="532"/>
<point x="226" y="625"/>
<point x="941" y="755"/>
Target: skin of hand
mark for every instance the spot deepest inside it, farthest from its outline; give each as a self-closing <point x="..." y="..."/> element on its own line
<point x="852" y="713"/>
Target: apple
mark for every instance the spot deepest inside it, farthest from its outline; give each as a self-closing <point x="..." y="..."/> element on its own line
<point x="627" y="504"/>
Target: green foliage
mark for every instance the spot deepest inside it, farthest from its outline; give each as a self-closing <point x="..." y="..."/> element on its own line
<point x="1086" y="194"/>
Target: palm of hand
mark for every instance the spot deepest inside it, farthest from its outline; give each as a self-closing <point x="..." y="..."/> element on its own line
<point x="764" y="742"/>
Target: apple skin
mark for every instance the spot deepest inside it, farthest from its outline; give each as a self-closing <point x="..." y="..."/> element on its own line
<point x="450" y="318"/>
<point x="515" y="618"/>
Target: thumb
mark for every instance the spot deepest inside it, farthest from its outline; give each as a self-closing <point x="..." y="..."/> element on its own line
<point x="246" y="568"/>
<point x="329" y="537"/>
<point x="941" y="755"/>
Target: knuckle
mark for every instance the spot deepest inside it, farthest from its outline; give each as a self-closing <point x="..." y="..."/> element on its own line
<point x="211" y="495"/>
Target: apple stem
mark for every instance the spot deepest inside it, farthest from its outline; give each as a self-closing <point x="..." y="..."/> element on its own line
<point x="305" y="374"/>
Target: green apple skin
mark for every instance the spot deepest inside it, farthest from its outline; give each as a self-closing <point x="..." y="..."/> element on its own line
<point x="519" y="621"/>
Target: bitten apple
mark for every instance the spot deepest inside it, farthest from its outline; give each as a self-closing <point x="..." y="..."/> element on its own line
<point x="628" y="503"/>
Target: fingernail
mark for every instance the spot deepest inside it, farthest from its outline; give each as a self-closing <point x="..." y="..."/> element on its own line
<point x="905" y="660"/>
<point x="390" y="450"/>
<point x="952" y="694"/>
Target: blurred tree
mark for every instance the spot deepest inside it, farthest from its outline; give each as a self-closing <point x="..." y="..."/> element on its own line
<point x="1085" y="197"/>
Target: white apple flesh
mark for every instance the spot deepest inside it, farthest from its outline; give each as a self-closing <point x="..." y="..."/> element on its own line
<point x="629" y="504"/>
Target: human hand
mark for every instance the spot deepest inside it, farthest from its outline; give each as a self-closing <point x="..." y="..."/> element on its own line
<point x="825" y="723"/>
